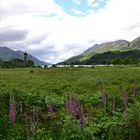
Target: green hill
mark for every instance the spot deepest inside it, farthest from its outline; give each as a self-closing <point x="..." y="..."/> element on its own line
<point x="7" y="54"/>
<point x="118" y="47"/>
<point x="115" y="57"/>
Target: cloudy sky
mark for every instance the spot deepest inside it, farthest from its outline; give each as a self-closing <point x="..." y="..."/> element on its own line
<point x="54" y="30"/>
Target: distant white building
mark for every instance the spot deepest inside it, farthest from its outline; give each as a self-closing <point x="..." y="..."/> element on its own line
<point x="86" y="66"/>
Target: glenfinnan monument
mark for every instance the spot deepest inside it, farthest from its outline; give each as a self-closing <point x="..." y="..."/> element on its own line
<point x="25" y="59"/>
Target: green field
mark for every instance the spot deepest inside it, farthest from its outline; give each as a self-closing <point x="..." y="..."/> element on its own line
<point x="34" y="90"/>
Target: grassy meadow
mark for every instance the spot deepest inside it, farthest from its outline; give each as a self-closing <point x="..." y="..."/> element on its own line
<point x="95" y="103"/>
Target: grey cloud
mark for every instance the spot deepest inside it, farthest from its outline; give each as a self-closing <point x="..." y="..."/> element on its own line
<point x="51" y="55"/>
<point x="76" y="48"/>
<point x="37" y="40"/>
<point x="132" y="27"/>
<point x="12" y="35"/>
<point x="14" y="10"/>
<point x="15" y="46"/>
<point x="20" y="8"/>
<point x="45" y="51"/>
<point x="14" y="39"/>
<point x="42" y="52"/>
<point x="45" y="54"/>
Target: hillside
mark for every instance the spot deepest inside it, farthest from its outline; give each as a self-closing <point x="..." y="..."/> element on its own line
<point x="8" y="54"/>
<point x="114" y="46"/>
<point x="115" y="57"/>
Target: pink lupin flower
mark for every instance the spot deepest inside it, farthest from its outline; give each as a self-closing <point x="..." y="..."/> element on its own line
<point x="67" y="104"/>
<point x="74" y="107"/>
<point x="80" y="116"/>
<point x="12" y="112"/>
<point x="79" y="110"/>
<point x="125" y="99"/>
<point x="50" y="110"/>
<point x="12" y="109"/>
<point x="135" y="92"/>
<point x="71" y="106"/>
<point x="81" y="122"/>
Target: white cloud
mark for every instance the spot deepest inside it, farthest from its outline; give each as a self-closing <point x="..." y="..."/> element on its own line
<point x="18" y="7"/>
<point x="94" y="5"/>
<point x="90" y="2"/>
<point x="101" y="0"/>
<point x="76" y="1"/>
<point x="55" y="38"/>
<point x="78" y="12"/>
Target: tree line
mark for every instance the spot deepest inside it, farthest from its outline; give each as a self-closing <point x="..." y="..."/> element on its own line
<point x="116" y="58"/>
<point x="15" y="63"/>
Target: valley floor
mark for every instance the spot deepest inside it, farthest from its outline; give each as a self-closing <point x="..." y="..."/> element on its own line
<point x="76" y="80"/>
<point x="70" y="103"/>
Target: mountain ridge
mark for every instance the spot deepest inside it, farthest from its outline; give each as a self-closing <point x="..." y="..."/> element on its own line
<point x="112" y="46"/>
<point x="7" y="54"/>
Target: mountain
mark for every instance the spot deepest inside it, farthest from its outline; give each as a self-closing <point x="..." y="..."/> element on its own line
<point x="115" y="57"/>
<point x="135" y="44"/>
<point x="8" y="54"/>
<point x="109" y="46"/>
<point x="114" y="46"/>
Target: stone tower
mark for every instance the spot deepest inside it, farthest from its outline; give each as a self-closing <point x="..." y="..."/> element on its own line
<point x="25" y="59"/>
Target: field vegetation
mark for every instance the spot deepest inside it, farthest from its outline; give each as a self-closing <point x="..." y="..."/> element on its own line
<point x="98" y="103"/>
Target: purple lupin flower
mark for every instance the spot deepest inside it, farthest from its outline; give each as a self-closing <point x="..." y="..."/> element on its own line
<point x="67" y="104"/>
<point x="135" y="92"/>
<point x="114" y="105"/>
<point x="80" y="116"/>
<point x="105" y="101"/>
<point x="50" y="109"/>
<point x="71" y="106"/>
<point x="74" y="106"/>
<point x="12" y="109"/>
<point x="12" y="112"/>
<point x="81" y="122"/>
<point x="79" y="110"/>
<point x="125" y="99"/>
